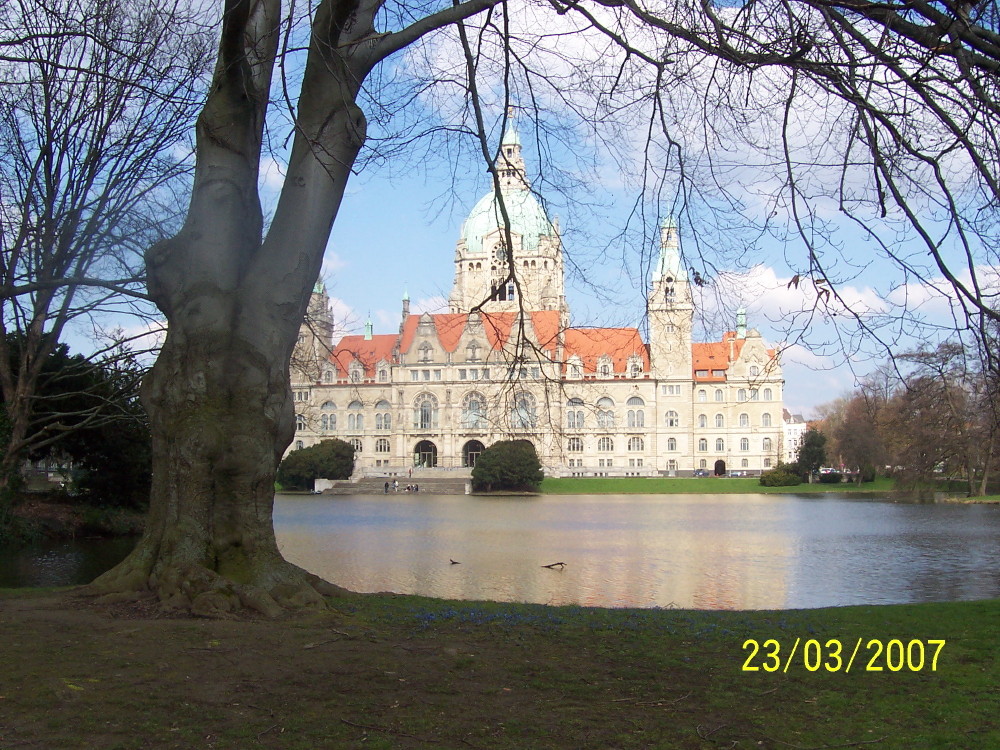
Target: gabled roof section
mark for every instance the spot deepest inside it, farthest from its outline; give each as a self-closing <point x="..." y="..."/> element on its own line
<point x="548" y="326"/>
<point x="590" y="344"/>
<point x="715" y="356"/>
<point x="450" y="327"/>
<point x="369" y="352"/>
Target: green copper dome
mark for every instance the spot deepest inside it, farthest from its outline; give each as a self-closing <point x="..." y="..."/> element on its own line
<point x="527" y="219"/>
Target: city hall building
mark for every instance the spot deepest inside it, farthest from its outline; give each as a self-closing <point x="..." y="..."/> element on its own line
<point x="505" y="362"/>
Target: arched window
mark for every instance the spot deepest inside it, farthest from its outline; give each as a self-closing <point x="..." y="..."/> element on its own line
<point x="702" y="395"/>
<point x="425" y="412"/>
<point x="635" y="401"/>
<point x="328" y="417"/>
<point x="671" y="444"/>
<point x="574" y="413"/>
<point x="604" y="367"/>
<point x="720" y="421"/>
<point x="741" y="394"/>
<point x="382" y="445"/>
<point x="744" y="420"/>
<point x="636" y="418"/>
<point x="300" y="421"/>
<point x="355" y="419"/>
<point x="672" y="419"/>
<point x="356" y="444"/>
<point x="522" y="416"/>
<point x="745" y="463"/>
<point x="383" y="415"/>
<point x="328" y="376"/>
<point x="605" y="445"/>
<point x="383" y="375"/>
<point x="574" y="445"/>
<point x="765" y="419"/>
<point x="744" y="444"/>
<point x="636" y="444"/>
<point x="768" y="395"/>
<point x="754" y="394"/>
<point x="474" y="411"/>
<point x="605" y="412"/>
<point x="702" y="463"/>
<point x="702" y="444"/>
<point x="720" y="445"/>
<point x="702" y="420"/>
<point x="299" y="445"/>
<point x="767" y="445"/>
<point x="719" y="395"/>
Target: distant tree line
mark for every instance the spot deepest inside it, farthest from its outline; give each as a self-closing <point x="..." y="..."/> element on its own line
<point x="930" y="415"/>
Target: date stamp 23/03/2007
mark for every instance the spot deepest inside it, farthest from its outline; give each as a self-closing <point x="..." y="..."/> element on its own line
<point x="834" y="655"/>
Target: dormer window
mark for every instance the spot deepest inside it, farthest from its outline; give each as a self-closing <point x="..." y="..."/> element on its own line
<point x="604" y="367"/>
<point x="356" y="372"/>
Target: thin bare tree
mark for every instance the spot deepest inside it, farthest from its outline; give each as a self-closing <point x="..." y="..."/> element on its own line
<point x="97" y="101"/>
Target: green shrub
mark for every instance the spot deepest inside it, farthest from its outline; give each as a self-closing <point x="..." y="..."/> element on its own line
<point x="507" y="465"/>
<point x="779" y="478"/>
<point x="833" y="477"/>
<point x="329" y="459"/>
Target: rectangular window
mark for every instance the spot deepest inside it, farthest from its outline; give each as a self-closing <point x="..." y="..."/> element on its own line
<point x="638" y="462"/>
<point x="427" y="374"/>
<point x="719" y="373"/>
<point x="536" y="373"/>
<point x="486" y="373"/>
<point x="701" y="373"/>
<point x="414" y="375"/>
<point x="461" y="374"/>
<point x="437" y="374"/>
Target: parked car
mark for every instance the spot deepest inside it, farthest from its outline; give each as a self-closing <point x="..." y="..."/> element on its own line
<point x="701" y="472"/>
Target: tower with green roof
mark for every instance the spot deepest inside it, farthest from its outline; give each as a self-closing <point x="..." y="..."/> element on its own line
<point x="482" y="258"/>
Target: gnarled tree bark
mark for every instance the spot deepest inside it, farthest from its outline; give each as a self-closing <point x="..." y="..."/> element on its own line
<point x="218" y="397"/>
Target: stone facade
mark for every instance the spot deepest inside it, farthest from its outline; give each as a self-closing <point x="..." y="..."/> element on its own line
<point x="505" y="362"/>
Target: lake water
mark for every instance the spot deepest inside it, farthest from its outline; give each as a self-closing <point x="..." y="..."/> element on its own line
<point x="691" y="551"/>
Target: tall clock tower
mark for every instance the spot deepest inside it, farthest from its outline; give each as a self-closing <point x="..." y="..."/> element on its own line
<point x="670" y="310"/>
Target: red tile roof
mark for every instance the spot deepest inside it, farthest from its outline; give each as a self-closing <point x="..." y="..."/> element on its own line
<point x="367" y="351"/>
<point x="590" y="344"/>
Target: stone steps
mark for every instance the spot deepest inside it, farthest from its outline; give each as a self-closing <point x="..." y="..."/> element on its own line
<point x="376" y="486"/>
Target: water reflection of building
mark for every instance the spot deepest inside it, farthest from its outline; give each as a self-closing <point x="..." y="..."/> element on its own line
<point x="504" y="362"/>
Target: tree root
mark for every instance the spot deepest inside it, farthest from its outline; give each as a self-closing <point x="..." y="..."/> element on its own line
<point x="275" y="588"/>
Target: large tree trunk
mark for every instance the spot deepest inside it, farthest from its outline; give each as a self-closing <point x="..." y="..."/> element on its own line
<point x="218" y="397"/>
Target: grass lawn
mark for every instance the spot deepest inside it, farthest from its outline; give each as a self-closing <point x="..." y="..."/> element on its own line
<point x="692" y="485"/>
<point x="385" y="671"/>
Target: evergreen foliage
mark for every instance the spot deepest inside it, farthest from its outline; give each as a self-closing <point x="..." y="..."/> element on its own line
<point x="832" y="477"/>
<point x="812" y="453"/>
<point x="508" y="465"/>
<point x="780" y="477"/>
<point x="328" y="459"/>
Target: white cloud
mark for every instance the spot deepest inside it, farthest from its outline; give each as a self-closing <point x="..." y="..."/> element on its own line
<point x="436" y="304"/>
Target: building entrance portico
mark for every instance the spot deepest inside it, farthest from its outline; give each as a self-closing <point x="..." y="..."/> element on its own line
<point x="470" y="453"/>
<point x="425" y="455"/>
